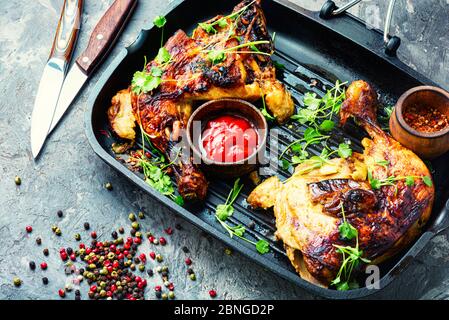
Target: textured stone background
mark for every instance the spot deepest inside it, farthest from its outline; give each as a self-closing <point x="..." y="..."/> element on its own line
<point x="69" y="176"/>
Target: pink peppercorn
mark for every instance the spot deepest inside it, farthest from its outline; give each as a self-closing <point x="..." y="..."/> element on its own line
<point x="153" y="255"/>
<point x="29" y="229"/>
<point x="169" y="231"/>
<point x="212" y="293"/>
<point x="44" y="265"/>
<point x="188" y="261"/>
<point x="61" y="293"/>
<point x="162" y="241"/>
<point x="73" y="257"/>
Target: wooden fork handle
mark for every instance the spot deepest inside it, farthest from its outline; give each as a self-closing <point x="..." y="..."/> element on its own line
<point x="105" y="33"/>
<point x="67" y="32"/>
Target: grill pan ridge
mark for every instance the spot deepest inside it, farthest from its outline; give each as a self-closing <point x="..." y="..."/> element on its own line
<point x="310" y="48"/>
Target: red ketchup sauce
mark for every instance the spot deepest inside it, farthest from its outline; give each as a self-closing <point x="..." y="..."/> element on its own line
<point x="229" y="138"/>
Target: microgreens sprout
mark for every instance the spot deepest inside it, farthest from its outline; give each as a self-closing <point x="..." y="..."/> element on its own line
<point x="224" y="211"/>
<point x="317" y="114"/>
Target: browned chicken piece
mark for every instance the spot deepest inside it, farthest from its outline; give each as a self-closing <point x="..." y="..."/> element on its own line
<point x="308" y="207"/>
<point x="244" y="72"/>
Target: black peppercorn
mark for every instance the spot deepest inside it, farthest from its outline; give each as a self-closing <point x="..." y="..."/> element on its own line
<point x="45" y="280"/>
<point x="46" y="252"/>
<point x="150" y="272"/>
<point x="121" y="230"/>
<point x="114" y="235"/>
<point x="32" y="265"/>
<point x="59" y="213"/>
<point x="69" y="251"/>
<point x="158" y="294"/>
<point x="38" y="241"/>
<point x="86" y="226"/>
<point x="185" y="249"/>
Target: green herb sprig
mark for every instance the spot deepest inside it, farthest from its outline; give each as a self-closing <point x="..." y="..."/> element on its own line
<point x="144" y="81"/>
<point x="392" y="180"/>
<point x="224" y="211"/>
<point x="317" y="114"/>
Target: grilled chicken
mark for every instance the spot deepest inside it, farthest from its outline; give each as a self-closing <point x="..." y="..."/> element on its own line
<point x="243" y="71"/>
<point x="308" y="207"/>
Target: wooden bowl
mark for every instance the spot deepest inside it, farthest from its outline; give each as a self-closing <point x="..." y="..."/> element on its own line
<point x="425" y="145"/>
<point x="235" y="107"/>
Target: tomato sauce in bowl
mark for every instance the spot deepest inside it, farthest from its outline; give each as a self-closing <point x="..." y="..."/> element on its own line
<point x="229" y="138"/>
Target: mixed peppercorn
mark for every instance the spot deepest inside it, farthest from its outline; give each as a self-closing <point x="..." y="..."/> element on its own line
<point x="109" y="265"/>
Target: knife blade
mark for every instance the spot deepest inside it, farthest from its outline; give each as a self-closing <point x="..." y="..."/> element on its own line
<point x="54" y="72"/>
<point x="101" y="41"/>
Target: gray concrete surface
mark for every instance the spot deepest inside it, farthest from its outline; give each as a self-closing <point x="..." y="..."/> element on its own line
<point x="70" y="177"/>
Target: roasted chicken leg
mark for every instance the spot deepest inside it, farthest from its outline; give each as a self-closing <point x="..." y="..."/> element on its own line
<point x="215" y="62"/>
<point x="388" y="216"/>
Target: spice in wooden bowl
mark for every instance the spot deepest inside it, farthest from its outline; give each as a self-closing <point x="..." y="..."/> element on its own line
<point x="425" y="118"/>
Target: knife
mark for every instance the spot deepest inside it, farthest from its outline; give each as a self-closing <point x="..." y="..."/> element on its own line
<point x="101" y="40"/>
<point x="54" y="73"/>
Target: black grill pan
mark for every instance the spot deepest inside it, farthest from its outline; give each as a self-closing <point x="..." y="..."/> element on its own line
<point x="310" y="48"/>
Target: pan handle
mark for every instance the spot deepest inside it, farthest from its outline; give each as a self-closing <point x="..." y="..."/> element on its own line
<point x="392" y="43"/>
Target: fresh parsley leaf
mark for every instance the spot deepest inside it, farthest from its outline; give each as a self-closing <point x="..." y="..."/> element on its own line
<point x="375" y="184"/>
<point x="224" y="211"/>
<point x="327" y="125"/>
<point x="427" y="181"/>
<point x="156" y="71"/>
<point x="208" y="27"/>
<point x="342" y="286"/>
<point x="311" y="101"/>
<point x="409" y="181"/>
<point x="222" y="23"/>
<point x="262" y="246"/>
<point x="163" y="56"/>
<point x="216" y="56"/>
<point x="239" y="230"/>
<point x="285" y="164"/>
<point x="159" y="21"/>
<point x="344" y="150"/>
<point x="347" y="231"/>
<point x="138" y="81"/>
<point x="311" y="134"/>
<point x="151" y="83"/>
<point x="179" y="200"/>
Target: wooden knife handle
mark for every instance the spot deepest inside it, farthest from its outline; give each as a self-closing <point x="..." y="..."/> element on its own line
<point x="105" y="33"/>
<point x="67" y="32"/>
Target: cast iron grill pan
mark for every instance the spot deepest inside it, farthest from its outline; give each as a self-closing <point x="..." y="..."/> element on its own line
<point x="312" y="50"/>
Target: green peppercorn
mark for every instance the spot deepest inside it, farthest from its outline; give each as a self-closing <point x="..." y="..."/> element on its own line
<point x="228" y="251"/>
<point x="77" y="237"/>
<point x="141" y="215"/>
<point x="159" y="258"/>
<point x="192" y="277"/>
<point x="164" y="296"/>
<point x="132" y="266"/>
<point x="53" y="228"/>
<point x="158" y="269"/>
<point x="148" y="234"/>
<point x="135" y="225"/>
<point x="139" y="234"/>
<point x="171" y="295"/>
<point x="132" y="217"/>
<point x="108" y="186"/>
<point x="17" y="181"/>
<point x="58" y="232"/>
<point x="164" y="268"/>
<point x="17" y="282"/>
<point x="141" y="267"/>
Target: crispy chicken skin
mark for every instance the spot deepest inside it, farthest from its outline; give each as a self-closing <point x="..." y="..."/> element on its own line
<point x="191" y="76"/>
<point x="308" y="206"/>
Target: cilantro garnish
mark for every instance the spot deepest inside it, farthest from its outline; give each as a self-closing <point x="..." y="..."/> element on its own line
<point x="224" y="211"/>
